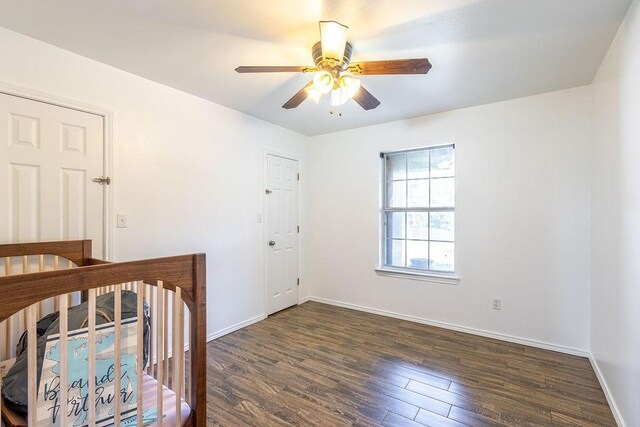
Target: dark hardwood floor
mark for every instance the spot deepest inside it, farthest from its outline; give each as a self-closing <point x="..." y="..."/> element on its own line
<point x="316" y="364"/>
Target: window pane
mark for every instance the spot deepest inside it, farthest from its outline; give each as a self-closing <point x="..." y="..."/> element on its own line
<point x="396" y="194"/>
<point x="396" y="166"/>
<point x="442" y="163"/>
<point x="418" y="254"/>
<point x="418" y="225"/>
<point x="441" y="224"/>
<point x="441" y="256"/>
<point x="418" y="164"/>
<point x="395" y="225"/>
<point x="395" y="253"/>
<point x="418" y="193"/>
<point x="416" y="181"/>
<point x="442" y="193"/>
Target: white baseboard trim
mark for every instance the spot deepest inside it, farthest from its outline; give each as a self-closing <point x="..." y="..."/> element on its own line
<point x="607" y="391"/>
<point x="303" y="300"/>
<point x="473" y="331"/>
<point x="233" y="328"/>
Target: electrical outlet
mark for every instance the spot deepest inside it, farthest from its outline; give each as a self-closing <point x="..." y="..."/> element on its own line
<point x="496" y="304"/>
<point x="122" y="220"/>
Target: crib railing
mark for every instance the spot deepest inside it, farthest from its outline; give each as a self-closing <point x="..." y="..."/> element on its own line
<point x="13" y="327"/>
<point x="174" y="289"/>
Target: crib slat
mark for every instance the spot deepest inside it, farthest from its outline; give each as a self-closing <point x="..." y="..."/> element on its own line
<point x="32" y="365"/>
<point x="25" y="270"/>
<point x="160" y="350"/>
<point x="178" y="352"/>
<point x="40" y="270"/>
<point x="5" y="351"/>
<point x="6" y="326"/>
<point x="152" y="305"/>
<point x="187" y="392"/>
<point x="64" y="363"/>
<point x="9" y="322"/>
<point x="166" y="338"/>
<point x="117" y="308"/>
<point x="92" y="357"/>
<point x="56" y="262"/>
<point x="141" y="287"/>
<point x="8" y="335"/>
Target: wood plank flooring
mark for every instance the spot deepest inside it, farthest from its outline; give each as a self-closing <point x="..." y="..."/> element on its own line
<point x="316" y="364"/>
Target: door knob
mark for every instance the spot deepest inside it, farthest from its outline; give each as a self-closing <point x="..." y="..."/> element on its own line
<point x="272" y="243"/>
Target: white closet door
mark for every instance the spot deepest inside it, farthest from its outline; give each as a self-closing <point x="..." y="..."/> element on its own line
<point x="48" y="158"/>
<point x="282" y="234"/>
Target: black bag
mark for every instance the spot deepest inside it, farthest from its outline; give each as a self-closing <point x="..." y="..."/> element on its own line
<point x="14" y="389"/>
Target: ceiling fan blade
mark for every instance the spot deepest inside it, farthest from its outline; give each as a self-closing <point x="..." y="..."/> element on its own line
<point x="365" y="99"/>
<point x="298" y="98"/>
<point x="273" y="69"/>
<point x="393" y="66"/>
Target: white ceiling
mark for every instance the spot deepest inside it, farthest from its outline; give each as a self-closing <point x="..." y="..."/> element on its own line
<point x="482" y="51"/>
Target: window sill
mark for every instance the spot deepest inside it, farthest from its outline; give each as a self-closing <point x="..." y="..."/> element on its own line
<point x="447" y="279"/>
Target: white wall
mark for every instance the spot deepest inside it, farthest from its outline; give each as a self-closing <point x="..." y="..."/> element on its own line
<point x="615" y="229"/>
<point x="522" y="218"/>
<point x="187" y="172"/>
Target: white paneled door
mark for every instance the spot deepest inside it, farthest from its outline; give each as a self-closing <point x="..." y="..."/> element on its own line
<point x="48" y="158"/>
<point x="282" y="233"/>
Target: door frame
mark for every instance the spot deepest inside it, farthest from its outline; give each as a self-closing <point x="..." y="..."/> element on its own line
<point x="273" y="152"/>
<point x="107" y="155"/>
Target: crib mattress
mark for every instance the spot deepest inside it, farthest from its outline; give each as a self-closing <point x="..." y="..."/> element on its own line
<point x="150" y="387"/>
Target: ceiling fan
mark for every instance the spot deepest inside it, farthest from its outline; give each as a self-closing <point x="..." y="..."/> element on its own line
<point x="335" y="74"/>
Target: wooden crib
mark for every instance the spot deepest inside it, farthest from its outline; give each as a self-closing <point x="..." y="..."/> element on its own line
<point x="41" y="278"/>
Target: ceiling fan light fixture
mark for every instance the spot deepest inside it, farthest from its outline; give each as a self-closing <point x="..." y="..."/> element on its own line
<point x="333" y="37"/>
<point x="313" y="93"/>
<point x="323" y="82"/>
<point x="338" y="97"/>
<point x="350" y="85"/>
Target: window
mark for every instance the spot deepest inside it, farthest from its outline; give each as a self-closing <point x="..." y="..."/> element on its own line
<point x="418" y="210"/>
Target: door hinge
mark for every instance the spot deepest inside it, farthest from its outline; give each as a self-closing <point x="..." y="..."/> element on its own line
<point x="298" y="229"/>
<point x="267" y="191"/>
<point x="298" y="177"/>
<point x="102" y="180"/>
<point x="298" y="281"/>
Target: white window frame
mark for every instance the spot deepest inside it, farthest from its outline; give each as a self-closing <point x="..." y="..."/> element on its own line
<point x="407" y="272"/>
